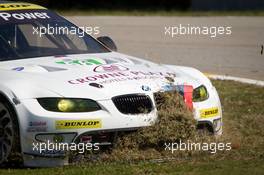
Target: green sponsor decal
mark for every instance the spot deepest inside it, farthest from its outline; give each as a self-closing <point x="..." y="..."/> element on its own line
<point x="90" y="61"/>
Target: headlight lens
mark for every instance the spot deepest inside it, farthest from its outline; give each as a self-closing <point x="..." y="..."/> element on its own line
<point x="68" y="105"/>
<point x="200" y="94"/>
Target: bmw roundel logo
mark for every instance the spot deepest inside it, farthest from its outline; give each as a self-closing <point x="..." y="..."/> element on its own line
<point x="145" y="88"/>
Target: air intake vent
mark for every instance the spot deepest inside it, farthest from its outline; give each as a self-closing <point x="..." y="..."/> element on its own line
<point x="133" y="104"/>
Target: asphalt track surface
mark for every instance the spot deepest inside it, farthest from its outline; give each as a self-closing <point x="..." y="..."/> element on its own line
<point x="238" y="54"/>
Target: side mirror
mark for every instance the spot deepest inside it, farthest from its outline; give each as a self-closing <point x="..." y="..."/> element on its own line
<point x="108" y="42"/>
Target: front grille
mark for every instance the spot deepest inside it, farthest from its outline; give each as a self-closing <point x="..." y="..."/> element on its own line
<point x="133" y="104"/>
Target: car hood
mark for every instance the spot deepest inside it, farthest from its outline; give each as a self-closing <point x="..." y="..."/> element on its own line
<point x="94" y="76"/>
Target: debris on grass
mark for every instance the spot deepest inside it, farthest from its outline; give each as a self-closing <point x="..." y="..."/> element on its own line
<point x="242" y="129"/>
<point x="175" y="123"/>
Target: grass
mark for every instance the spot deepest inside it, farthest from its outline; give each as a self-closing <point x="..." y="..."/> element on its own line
<point x="98" y="12"/>
<point x="190" y="168"/>
<point x="243" y="126"/>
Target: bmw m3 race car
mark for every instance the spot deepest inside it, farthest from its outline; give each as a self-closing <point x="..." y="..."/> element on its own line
<point x="63" y="87"/>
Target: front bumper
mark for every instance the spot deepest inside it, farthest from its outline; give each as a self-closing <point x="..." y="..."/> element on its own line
<point x="40" y="126"/>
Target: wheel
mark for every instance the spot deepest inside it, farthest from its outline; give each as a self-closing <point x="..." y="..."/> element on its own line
<point x="8" y="132"/>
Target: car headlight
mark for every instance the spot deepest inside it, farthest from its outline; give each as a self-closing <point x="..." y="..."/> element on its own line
<point x="200" y="94"/>
<point x="68" y="104"/>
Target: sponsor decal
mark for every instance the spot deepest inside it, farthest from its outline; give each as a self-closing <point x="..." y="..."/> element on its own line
<point x="86" y="139"/>
<point x="37" y="129"/>
<point x="91" y="61"/>
<point x="171" y="87"/>
<point x="18" y="68"/>
<point x="37" y="126"/>
<point x="111" y="77"/>
<point x="38" y="123"/>
<point x="78" y="124"/>
<point x="110" y="68"/>
<point x="168" y="87"/>
<point x="211" y="112"/>
<point x="145" y="88"/>
<point x="19" y="6"/>
<point x="23" y="16"/>
<point x="188" y="95"/>
<point x="52" y="69"/>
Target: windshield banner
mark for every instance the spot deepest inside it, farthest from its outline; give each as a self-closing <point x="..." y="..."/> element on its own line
<point x="23" y="16"/>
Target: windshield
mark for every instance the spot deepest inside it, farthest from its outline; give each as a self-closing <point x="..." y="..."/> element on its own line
<point x="19" y="39"/>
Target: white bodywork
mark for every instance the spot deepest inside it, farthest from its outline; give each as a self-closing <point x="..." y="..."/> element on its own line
<point x="22" y="81"/>
<point x="100" y="77"/>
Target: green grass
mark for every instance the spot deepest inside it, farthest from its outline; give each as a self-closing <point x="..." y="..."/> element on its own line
<point x="191" y="168"/>
<point x="243" y="126"/>
<point x="91" y="12"/>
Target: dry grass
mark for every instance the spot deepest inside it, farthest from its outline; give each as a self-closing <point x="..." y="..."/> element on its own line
<point x="243" y="126"/>
<point x="175" y="123"/>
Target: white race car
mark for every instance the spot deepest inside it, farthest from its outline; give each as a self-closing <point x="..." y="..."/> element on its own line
<point x="62" y="87"/>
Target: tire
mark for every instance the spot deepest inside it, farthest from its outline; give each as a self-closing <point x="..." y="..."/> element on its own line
<point x="9" y="134"/>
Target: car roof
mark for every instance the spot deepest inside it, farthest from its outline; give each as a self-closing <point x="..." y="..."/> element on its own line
<point x="11" y="5"/>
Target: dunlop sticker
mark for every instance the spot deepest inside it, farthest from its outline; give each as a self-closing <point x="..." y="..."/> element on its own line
<point x="78" y="124"/>
<point x="211" y="112"/>
<point x="19" y="6"/>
